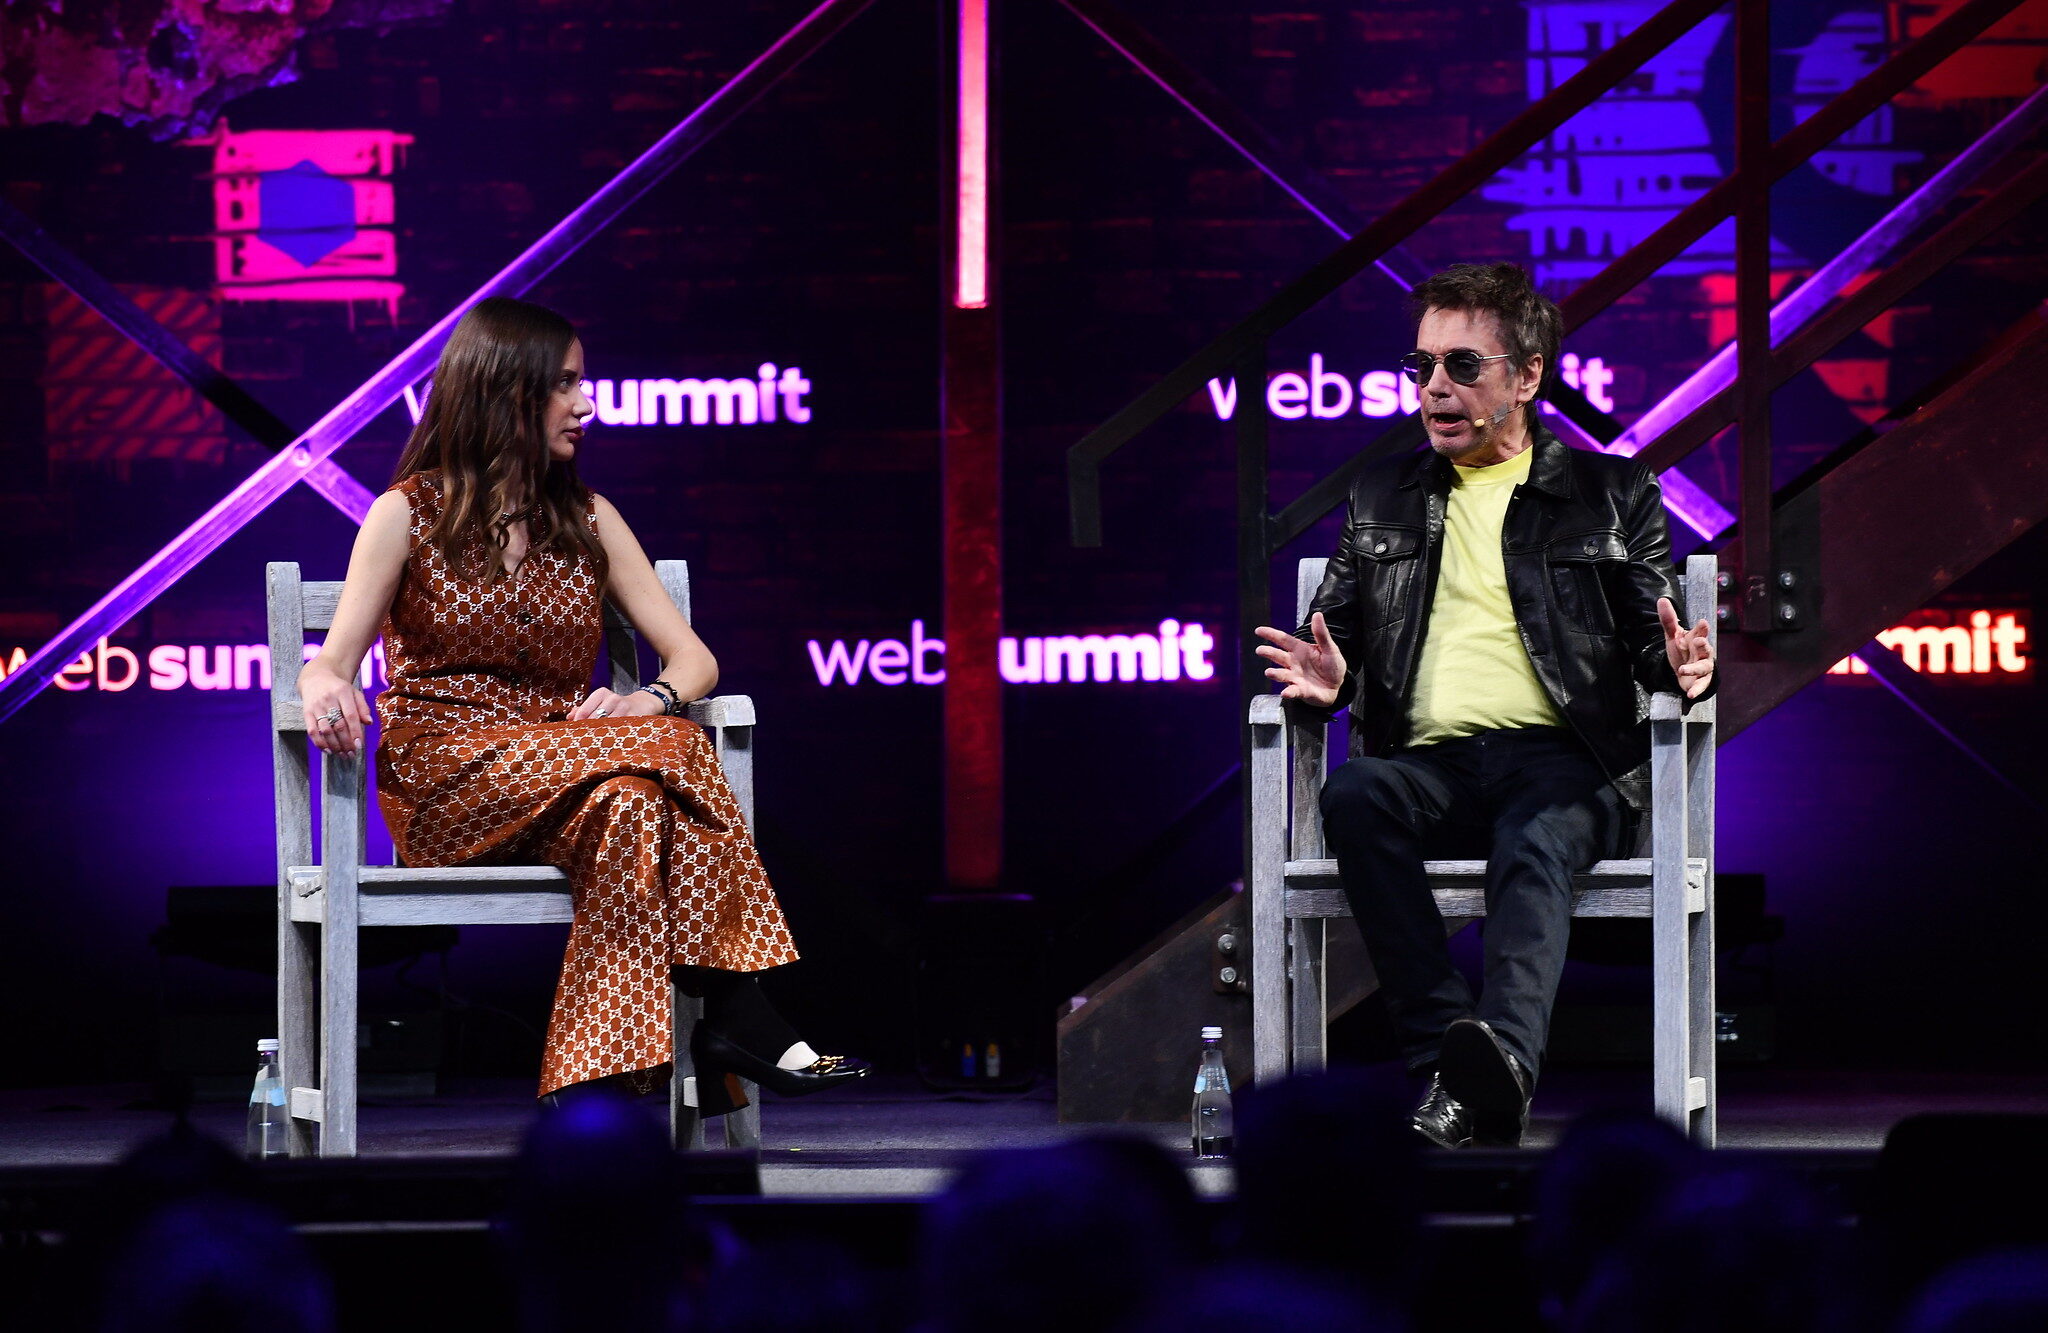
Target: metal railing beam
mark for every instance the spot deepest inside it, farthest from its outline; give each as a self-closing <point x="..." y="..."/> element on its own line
<point x="1803" y="348"/>
<point x="1299" y="181"/>
<point x="1807" y="299"/>
<point x="1796" y="147"/>
<point x="1503" y="146"/>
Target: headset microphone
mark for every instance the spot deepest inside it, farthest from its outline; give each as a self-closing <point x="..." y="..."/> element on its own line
<point x="1494" y="418"/>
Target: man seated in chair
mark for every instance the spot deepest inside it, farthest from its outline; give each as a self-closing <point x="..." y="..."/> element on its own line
<point x="1490" y="610"/>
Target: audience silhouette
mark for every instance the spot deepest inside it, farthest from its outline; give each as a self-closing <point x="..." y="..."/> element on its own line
<point x="1630" y="1229"/>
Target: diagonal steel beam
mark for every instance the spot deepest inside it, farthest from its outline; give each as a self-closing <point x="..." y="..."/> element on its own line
<point x="1797" y="146"/>
<point x="1207" y="104"/>
<point x="1300" y="182"/>
<point x="1598" y="76"/>
<point x="1960" y="479"/>
<point x="1203" y="100"/>
<point x="277" y="476"/>
<point x="1809" y="344"/>
<point x="1806" y="300"/>
<point x="1955" y="30"/>
<point x="208" y="380"/>
<point x="1888" y="669"/>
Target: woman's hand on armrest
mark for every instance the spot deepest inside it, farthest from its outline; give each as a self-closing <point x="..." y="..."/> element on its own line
<point x="328" y="683"/>
<point x="337" y="714"/>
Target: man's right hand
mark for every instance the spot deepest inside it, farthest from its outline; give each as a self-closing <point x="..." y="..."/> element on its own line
<point x="1310" y="671"/>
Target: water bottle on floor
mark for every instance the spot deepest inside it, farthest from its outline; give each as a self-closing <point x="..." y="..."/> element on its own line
<point x="1214" y="1134"/>
<point x="269" y="1119"/>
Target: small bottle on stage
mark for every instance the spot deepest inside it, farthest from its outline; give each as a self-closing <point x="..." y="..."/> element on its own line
<point x="1213" y="1130"/>
<point x="269" y="1119"/>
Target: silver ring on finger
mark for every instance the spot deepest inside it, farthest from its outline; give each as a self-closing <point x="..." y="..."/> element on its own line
<point x="602" y="712"/>
<point x="332" y="715"/>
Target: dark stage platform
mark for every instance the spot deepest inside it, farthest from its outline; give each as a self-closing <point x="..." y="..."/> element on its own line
<point x="895" y="1140"/>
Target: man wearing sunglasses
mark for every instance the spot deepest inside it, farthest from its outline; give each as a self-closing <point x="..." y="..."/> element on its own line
<point x="1491" y="611"/>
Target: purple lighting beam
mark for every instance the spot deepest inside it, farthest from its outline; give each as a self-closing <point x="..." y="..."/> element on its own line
<point x="297" y="461"/>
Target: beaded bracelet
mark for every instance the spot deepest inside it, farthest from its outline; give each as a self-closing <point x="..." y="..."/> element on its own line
<point x="671" y="702"/>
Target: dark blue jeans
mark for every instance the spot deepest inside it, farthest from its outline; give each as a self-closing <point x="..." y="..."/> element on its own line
<point x="1533" y="802"/>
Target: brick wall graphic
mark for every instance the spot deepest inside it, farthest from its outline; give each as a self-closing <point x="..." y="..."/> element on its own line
<point x="106" y="401"/>
<point x="305" y="215"/>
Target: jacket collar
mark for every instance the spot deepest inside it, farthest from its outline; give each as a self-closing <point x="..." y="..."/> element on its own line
<point x="1550" y="471"/>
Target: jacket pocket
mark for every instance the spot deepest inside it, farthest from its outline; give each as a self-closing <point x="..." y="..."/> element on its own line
<point x="1583" y="568"/>
<point x="1386" y="559"/>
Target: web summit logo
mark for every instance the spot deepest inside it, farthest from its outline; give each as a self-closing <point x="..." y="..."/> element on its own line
<point x="769" y="396"/>
<point x="1175" y="652"/>
<point x="772" y="394"/>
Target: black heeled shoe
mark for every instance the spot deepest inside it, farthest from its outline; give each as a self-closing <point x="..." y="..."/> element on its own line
<point x="720" y="1064"/>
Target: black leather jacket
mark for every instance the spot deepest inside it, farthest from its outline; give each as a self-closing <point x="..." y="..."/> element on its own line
<point x="1587" y="556"/>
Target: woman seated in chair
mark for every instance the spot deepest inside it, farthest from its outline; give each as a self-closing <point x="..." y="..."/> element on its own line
<point x="486" y="567"/>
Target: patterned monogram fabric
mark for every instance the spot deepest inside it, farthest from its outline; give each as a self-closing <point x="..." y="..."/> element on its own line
<point x="479" y="765"/>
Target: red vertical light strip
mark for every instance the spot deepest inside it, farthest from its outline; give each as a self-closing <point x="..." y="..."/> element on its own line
<point x="970" y="282"/>
<point x="971" y="489"/>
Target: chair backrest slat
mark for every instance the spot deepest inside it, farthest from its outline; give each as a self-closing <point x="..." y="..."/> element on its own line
<point x="1308" y="576"/>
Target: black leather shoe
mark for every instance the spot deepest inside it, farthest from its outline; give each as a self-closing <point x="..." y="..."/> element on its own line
<point x="1440" y="1118"/>
<point x="1480" y="1072"/>
<point x="715" y="1057"/>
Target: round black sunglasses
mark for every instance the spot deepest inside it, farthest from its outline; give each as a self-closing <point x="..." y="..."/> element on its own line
<point x="1463" y="366"/>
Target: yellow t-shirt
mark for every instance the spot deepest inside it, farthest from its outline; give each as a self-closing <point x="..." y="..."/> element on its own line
<point x="1475" y="674"/>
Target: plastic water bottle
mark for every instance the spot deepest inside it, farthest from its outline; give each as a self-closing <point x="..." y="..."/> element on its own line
<point x="1214" y="1133"/>
<point x="269" y="1119"/>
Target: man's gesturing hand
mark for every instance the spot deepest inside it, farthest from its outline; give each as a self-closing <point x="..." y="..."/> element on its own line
<point x="1310" y="671"/>
<point x="1690" y="650"/>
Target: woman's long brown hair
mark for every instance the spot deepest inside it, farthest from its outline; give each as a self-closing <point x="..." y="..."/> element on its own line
<point x="485" y="428"/>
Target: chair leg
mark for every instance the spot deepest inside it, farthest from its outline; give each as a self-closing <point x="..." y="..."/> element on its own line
<point x="338" y="1006"/>
<point x="1309" y="1016"/>
<point x="1272" y="1042"/>
<point x="685" y="1126"/>
<point x="1701" y="1120"/>
<point x="298" y="1023"/>
<point x="1672" y="1017"/>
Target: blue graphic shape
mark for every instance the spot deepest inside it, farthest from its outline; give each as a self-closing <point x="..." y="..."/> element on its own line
<point x="1820" y="49"/>
<point x="1626" y="165"/>
<point x="306" y="213"/>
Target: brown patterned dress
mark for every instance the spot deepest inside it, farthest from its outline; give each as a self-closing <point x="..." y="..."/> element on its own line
<point x="479" y="764"/>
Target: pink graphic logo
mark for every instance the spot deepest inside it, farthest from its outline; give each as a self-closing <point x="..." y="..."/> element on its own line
<point x="305" y="215"/>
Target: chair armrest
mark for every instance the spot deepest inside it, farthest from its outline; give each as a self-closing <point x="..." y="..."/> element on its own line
<point x="1666" y="706"/>
<point x="724" y="710"/>
<point x="1267" y="710"/>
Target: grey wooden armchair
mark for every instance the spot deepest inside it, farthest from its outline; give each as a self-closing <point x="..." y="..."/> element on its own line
<point x="321" y="906"/>
<point x="1295" y="892"/>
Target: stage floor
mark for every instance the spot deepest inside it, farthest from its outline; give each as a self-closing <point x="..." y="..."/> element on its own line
<point x="893" y="1139"/>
